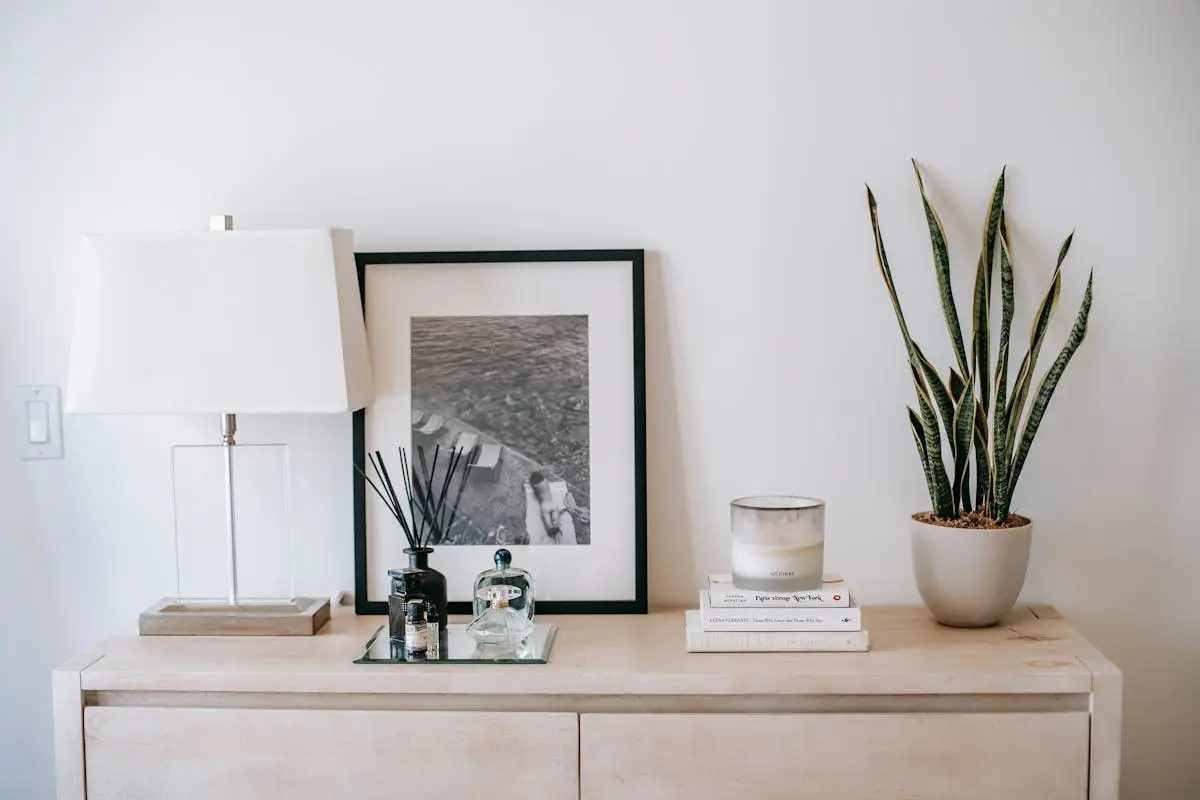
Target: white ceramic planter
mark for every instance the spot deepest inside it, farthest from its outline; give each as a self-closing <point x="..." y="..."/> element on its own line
<point x="969" y="578"/>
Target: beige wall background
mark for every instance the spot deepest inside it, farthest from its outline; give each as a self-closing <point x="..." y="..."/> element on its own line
<point x="732" y="140"/>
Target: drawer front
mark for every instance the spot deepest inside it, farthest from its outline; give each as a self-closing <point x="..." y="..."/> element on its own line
<point x="1032" y="756"/>
<point x="247" y="754"/>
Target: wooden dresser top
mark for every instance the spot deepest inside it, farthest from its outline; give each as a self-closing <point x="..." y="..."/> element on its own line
<point x="1034" y="651"/>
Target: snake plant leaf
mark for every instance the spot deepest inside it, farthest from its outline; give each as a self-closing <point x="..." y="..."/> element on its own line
<point x="941" y="264"/>
<point x="999" y="415"/>
<point x="1037" y="335"/>
<point x="1000" y="454"/>
<point x="941" y="396"/>
<point x="1049" y="383"/>
<point x="964" y="427"/>
<point x="1066" y="245"/>
<point x="983" y="459"/>
<point x="939" y="482"/>
<point x="1007" y="302"/>
<point x="918" y="432"/>
<point x="1016" y="403"/>
<point x="983" y="485"/>
<point x="980" y="338"/>
<point x="965" y="492"/>
<point x="987" y="252"/>
<point x="886" y="270"/>
<point x="981" y="344"/>
<point x="956" y="383"/>
<point x="956" y="390"/>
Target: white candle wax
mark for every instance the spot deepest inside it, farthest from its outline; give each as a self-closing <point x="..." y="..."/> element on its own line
<point x="778" y="562"/>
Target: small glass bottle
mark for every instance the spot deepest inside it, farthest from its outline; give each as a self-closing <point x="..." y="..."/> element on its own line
<point x="406" y="585"/>
<point x="416" y="631"/>
<point x="505" y="574"/>
<point x="499" y="623"/>
<point x="434" y="631"/>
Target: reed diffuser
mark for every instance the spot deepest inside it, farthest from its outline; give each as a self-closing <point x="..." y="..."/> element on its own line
<point x="424" y="515"/>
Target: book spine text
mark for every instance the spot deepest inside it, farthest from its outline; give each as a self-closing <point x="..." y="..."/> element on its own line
<point x="840" y="619"/>
<point x="737" y="598"/>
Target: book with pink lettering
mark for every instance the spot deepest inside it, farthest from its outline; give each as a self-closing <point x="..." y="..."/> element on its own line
<point x="779" y="619"/>
<point x="723" y="594"/>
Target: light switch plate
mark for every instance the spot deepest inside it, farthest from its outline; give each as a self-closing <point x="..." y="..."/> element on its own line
<point x="39" y="417"/>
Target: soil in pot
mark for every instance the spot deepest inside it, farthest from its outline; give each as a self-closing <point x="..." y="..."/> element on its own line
<point x="973" y="520"/>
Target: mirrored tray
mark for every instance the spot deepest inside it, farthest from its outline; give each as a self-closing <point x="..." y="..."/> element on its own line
<point x="459" y="648"/>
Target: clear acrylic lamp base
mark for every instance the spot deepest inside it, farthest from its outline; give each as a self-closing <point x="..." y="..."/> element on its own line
<point x="233" y="558"/>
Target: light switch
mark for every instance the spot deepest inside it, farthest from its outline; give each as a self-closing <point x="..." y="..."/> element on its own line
<point x="41" y="422"/>
<point x="38" y="414"/>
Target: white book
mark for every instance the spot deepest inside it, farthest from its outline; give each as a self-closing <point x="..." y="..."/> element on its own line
<point x="702" y="641"/>
<point x="723" y="594"/>
<point x="779" y="619"/>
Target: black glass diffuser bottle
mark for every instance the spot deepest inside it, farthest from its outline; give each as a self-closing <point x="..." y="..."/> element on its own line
<point x="425" y="515"/>
<point x="432" y="582"/>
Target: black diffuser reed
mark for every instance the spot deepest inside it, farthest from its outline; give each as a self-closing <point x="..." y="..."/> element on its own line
<point x="423" y="514"/>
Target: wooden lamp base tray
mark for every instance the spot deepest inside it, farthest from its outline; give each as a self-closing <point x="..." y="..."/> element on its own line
<point x="171" y="617"/>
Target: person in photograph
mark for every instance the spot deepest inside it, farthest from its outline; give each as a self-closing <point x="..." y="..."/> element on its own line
<point x="547" y="520"/>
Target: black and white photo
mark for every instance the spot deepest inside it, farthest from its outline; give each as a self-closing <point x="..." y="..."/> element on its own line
<point x="512" y="393"/>
<point x="529" y="366"/>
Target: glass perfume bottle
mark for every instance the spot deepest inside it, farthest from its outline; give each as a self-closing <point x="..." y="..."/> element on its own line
<point x="500" y="623"/>
<point x="505" y="574"/>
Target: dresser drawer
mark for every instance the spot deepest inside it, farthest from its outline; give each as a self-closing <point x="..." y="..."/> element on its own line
<point x="247" y="754"/>
<point x="969" y="756"/>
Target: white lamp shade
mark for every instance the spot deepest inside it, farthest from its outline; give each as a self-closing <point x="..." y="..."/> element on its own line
<point x="244" y="321"/>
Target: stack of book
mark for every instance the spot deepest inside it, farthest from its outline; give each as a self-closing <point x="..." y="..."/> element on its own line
<point x="739" y="620"/>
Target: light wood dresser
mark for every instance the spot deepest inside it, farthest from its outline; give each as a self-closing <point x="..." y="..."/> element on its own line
<point x="1028" y="710"/>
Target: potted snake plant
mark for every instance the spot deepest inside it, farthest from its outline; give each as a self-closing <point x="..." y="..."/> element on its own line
<point x="974" y="429"/>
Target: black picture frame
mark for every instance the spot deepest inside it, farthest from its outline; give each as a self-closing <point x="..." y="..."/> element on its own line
<point x="636" y="258"/>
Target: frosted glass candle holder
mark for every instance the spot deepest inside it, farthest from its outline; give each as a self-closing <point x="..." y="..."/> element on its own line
<point x="778" y="543"/>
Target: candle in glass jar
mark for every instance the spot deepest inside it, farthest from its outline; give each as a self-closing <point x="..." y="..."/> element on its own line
<point x="778" y="543"/>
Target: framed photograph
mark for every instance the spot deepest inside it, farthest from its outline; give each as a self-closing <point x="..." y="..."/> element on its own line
<point x="533" y="363"/>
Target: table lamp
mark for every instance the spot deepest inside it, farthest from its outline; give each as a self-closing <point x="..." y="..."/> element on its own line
<point x="223" y="322"/>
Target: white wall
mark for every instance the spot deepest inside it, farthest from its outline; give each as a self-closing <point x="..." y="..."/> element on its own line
<point x="732" y="141"/>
